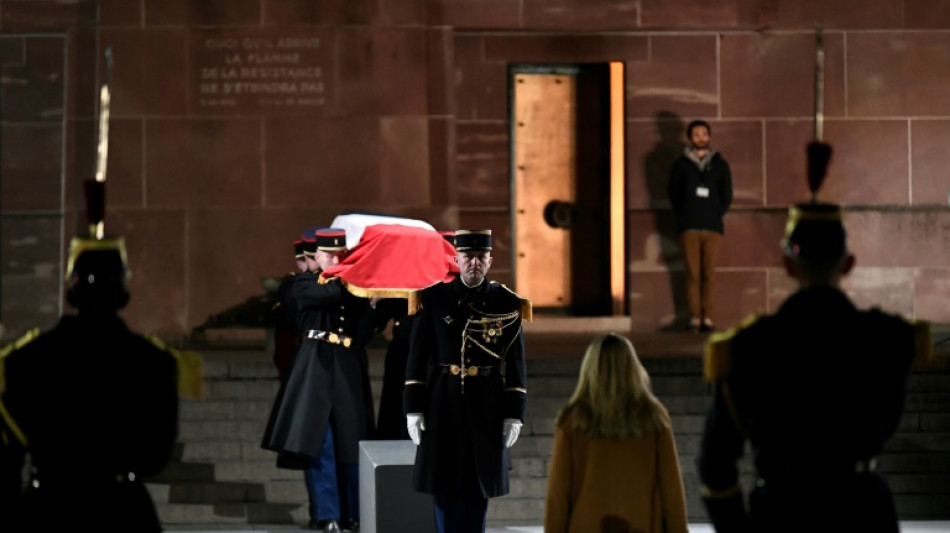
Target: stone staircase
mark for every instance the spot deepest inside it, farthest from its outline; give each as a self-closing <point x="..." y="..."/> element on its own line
<point x="222" y="479"/>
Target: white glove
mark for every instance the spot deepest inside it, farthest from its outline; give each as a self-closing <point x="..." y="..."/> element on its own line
<point x="511" y="428"/>
<point x="416" y="424"/>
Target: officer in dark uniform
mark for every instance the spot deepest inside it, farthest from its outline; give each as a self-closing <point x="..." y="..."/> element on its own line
<point x="391" y="423"/>
<point x="92" y="405"/>
<point x="284" y="313"/>
<point x="465" y="391"/>
<point x="816" y="389"/>
<point x="324" y="408"/>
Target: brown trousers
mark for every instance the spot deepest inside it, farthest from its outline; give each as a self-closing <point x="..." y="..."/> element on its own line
<point x="700" y="250"/>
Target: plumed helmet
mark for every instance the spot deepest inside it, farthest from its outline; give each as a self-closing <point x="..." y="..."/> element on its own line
<point x="97" y="269"/>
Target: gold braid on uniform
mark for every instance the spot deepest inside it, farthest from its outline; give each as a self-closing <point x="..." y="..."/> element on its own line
<point x="527" y="314"/>
<point x="488" y="333"/>
<point x="717" y="363"/>
<point x="4" y="413"/>
<point x="190" y="369"/>
<point x="414" y="298"/>
<point x="717" y="356"/>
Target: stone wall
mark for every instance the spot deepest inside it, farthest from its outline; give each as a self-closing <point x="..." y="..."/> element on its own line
<point x="237" y="123"/>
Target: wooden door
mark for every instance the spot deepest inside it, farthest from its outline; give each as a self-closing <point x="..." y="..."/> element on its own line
<point x="568" y="194"/>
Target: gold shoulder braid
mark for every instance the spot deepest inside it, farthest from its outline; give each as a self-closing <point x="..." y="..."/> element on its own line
<point x="10" y="423"/>
<point x="527" y="314"/>
<point x="717" y="357"/>
<point x="27" y="337"/>
<point x="486" y="332"/>
<point x="190" y="369"/>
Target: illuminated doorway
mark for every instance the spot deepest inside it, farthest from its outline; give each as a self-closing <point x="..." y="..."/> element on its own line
<point x="568" y="194"/>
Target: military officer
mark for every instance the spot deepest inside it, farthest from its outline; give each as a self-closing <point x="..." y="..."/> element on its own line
<point x="324" y="408"/>
<point x="465" y="391"/>
<point x="284" y="312"/>
<point x="816" y="389"/>
<point x="91" y="404"/>
<point x="391" y="423"/>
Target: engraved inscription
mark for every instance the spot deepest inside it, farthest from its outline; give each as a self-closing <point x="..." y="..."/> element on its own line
<point x="252" y="72"/>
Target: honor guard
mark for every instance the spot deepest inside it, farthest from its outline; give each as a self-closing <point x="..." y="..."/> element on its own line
<point x="816" y="390"/>
<point x="391" y="423"/>
<point x="466" y="386"/>
<point x="284" y="312"/>
<point x="90" y="405"/>
<point x="324" y="407"/>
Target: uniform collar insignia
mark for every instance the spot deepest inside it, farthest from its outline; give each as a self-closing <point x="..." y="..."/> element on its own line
<point x="448" y="319"/>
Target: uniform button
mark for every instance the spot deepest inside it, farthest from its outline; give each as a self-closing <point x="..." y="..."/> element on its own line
<point x="342" y="318"/>
<point x="396" y="323"/>
<point x="341" y="330"/>
<point x="468" y="359"/>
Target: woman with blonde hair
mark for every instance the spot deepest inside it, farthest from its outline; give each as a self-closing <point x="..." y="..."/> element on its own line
<point x="614" y="467"/>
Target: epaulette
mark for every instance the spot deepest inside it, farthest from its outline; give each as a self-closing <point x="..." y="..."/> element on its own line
<point x="527" y="314"/>
<point x="414" y="299"/>
<point x="322" y="280"/>
<point x="190" y="369"/>
<point x="923" y="342"/>
<point x="717" y="357"/>
<point x="27" y="338"/>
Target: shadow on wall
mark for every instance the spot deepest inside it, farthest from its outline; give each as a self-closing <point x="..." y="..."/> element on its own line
<point x="656" y="171"/>
<point x="254" y="313"/>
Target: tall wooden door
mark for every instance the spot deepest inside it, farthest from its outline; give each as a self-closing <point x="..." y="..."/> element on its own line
<point x="544" y="122"/>
<point x="567" y="188"/>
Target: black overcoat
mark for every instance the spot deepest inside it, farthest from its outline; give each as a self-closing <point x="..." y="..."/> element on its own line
<point x="327" y="383"/>
<point x="391" y="421"/>
<point x="469" y="328"/>
<point x="95" y="401"/>
<point x="816" y="390"/>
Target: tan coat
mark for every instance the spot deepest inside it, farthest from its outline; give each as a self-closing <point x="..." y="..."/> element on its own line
<point x="632" y="485"/>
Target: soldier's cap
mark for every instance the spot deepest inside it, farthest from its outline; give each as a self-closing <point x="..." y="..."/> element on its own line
<point x="97" y="260"/>
<point x="97" y="263"/>
<point x="467" y="240"/>
<point x="815" y="232"/>
<point x="308" y="240"/>
<point x="331" y="239"/>
<point x="449" y="236"/>
<point x="298" y="248"/>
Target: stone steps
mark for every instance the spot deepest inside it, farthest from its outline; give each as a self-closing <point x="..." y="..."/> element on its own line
<point x="222" y="480"/>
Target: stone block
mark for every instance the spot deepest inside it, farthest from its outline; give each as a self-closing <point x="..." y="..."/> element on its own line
<point x="388" y="502"/>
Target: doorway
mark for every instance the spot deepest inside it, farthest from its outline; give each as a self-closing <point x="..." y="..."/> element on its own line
<point x="568" y="194"/>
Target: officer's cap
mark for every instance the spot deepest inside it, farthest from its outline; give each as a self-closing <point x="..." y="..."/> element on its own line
<point x="308" y="241"/>
<point x="449" y="236"/>
<point x="331" y="239"/>
<point x="471" y="240"/>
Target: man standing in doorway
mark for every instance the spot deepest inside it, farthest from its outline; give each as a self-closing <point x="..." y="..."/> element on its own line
<point x="700" y="191"/>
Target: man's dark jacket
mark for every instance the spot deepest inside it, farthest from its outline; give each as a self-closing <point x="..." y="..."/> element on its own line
<point x="692" y="210"/>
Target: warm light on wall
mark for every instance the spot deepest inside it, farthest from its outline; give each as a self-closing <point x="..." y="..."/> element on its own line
<point x="618" y="268"/>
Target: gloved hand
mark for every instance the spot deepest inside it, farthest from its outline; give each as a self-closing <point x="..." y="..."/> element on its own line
<point x="511" y="428"/>
<point x="416" y="424"/>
